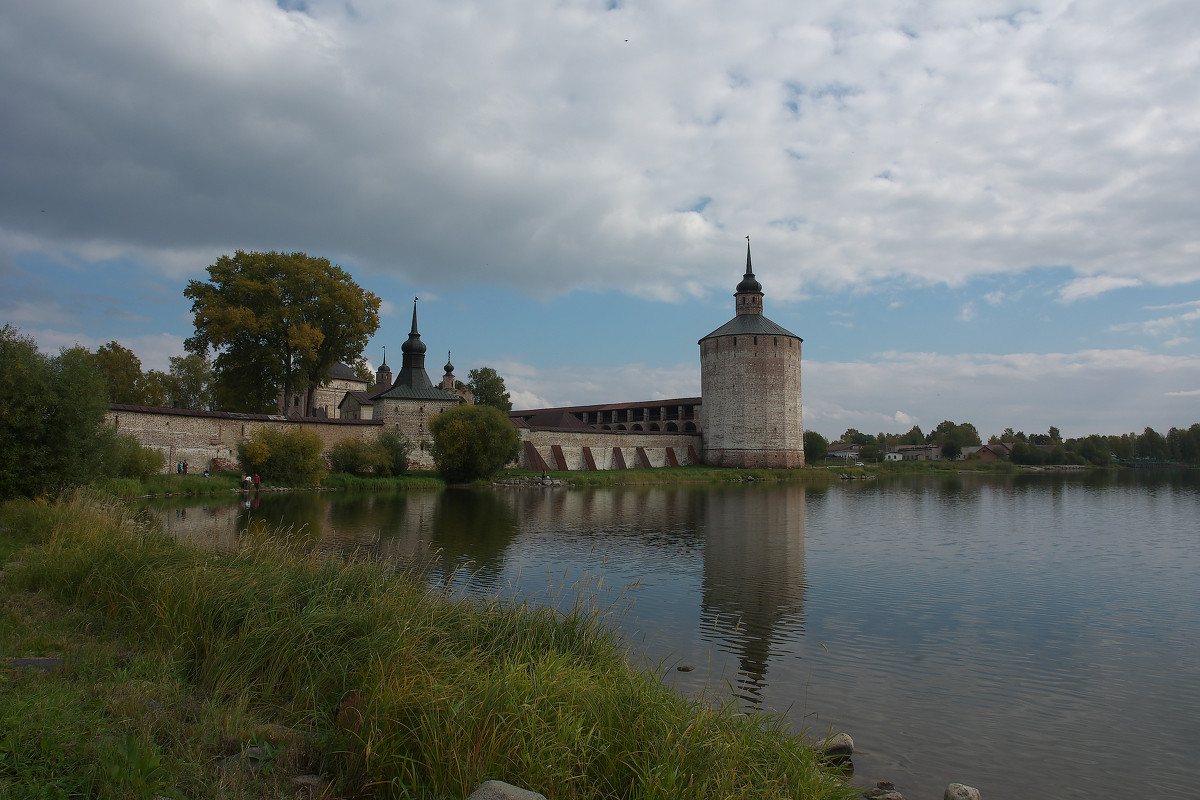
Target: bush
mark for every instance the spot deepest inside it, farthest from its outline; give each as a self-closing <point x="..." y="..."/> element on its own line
<point x="292" y="457"/>
<point x="355" y="458"/>
<point x="123" y="456"/>
<point x="472" y="442"/>
<point x="396" y="451"/>
<point x="388" y="455"/>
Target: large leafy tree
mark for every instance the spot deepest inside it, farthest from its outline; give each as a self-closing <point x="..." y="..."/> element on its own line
<point x="488" y="387"/>
<point x="952" y="437"/>
<point x="278" y="322"/>
<point x="51" y="416"/>
<point x="472" y="442"/>
<point x="122" y="372"/>
<point x="189" y="383"/>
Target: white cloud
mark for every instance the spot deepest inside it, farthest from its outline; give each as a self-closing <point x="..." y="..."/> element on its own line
<point x="1163" y="326"/>
<point x="567" y="146"/>
<point x="1091" y="391"/>
<point x="533" y="387"/>
<point x="1094" y="286"/>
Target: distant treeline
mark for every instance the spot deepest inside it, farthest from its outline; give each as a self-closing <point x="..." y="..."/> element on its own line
<point x="1181" y="445"/>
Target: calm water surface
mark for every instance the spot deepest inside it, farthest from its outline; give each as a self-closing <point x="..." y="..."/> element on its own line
<point x="1030" y="636"/>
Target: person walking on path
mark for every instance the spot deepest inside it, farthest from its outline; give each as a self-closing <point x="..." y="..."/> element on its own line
<point x="257" y="481"/>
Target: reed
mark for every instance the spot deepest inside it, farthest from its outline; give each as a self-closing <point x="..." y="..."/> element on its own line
<point x="403" y="692"/>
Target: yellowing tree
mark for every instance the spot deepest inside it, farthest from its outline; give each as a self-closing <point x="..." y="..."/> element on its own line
<point x="472" y="442"/>
<point x="278" y="322"/>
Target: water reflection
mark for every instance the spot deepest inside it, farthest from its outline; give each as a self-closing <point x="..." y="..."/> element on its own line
<point x="956" y="626"/>
<point x="753" y="590"/>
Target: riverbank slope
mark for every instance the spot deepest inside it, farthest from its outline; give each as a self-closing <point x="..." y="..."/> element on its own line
<point x="265" y="672"/>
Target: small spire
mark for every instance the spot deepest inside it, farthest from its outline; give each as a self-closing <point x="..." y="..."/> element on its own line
<point x="749" y="282"/>
<point x="384" y="364"/>
<point x="414" y="345"/>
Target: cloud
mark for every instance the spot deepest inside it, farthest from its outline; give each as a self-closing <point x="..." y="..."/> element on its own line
<point x="1163" y="326"/>
<point x="1094" y="286"/>
<point x="536" y="387"/>
<point x="572" y="147"/>
<point x="1030" y="391"/>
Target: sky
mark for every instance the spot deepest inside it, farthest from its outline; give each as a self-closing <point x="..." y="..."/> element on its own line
<point x="976" y="210"/>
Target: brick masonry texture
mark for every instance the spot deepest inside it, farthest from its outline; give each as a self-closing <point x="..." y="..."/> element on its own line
<point x="752" y="402"/>
<point x="211" y="438"/>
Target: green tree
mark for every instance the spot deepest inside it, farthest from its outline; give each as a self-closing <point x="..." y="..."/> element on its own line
<point x="363" y="372"/>
<point x="190" y="382"/>
<point x="855" y="436"/>
<point x="472" y="442"/>
<point x="953" y="437"/>
<point x="278" y="322"/>
<point x="1151" y="444"/>
<point x="816" y="446"/>
<point x="122" y="371"/>
<point x="156" y="388"/>
<point x="488" y="388"/>
<point x="51" y="417"/>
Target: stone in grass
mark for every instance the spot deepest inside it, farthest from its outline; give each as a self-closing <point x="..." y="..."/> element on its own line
<point x="957" y="791"/>
<point x="884" y="790"/>
<point x="499" y="790"/>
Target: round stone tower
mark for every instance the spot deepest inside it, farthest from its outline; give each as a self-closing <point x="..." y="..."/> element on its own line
<point x="750" y="386"/>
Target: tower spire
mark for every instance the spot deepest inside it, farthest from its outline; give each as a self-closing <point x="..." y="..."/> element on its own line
<point x="749" y="292"/>
<point x="414" y="348"/>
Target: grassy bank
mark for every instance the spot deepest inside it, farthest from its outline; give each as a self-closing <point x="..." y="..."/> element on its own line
<point x="689" y="474"/>
<point x="174" y="659"/>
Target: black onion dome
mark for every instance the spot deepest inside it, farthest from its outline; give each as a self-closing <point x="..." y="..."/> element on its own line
<point x="414" y="345"/>
<point x="449" y="367"/>
<point x="749" y="283"/>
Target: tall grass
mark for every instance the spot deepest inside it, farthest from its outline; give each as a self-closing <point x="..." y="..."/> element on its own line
<point x="410" y="694"/>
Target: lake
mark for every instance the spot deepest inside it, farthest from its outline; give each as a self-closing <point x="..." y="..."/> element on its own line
<point x="1032" y="635"/>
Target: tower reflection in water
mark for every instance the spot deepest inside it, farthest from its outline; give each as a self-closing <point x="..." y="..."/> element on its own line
<point x="753" y="589"/>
